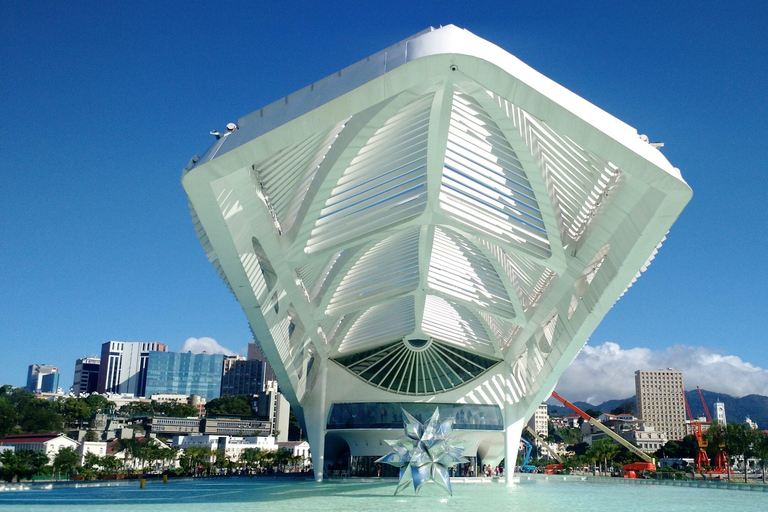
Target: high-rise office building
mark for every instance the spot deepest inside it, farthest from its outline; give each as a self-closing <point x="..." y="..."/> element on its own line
<point x="255" y="354"/>
<point x="124" y="366"/>
<point x="86" y="375"/>
<point x="720" y="413"/>
<point x="185" y="374"/>
<point x="243" y="377"/>
<point x="42" y="378"/>
<point x="660" y="401"/>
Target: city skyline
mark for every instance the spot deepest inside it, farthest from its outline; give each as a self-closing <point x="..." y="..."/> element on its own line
<point x="113" y="248"/>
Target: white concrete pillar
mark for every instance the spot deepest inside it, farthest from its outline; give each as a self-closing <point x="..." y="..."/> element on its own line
<point x="315" y="414"/>
<point x="512" y="432"/>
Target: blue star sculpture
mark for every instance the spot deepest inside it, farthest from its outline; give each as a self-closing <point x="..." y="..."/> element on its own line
<point x="425" y="454"/>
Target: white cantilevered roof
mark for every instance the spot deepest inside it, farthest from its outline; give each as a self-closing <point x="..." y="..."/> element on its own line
<point x="427" y="213"/>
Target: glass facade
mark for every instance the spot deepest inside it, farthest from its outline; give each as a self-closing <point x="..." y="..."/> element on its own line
<point x="388" y="415"/>
<point x="185" y="374"/>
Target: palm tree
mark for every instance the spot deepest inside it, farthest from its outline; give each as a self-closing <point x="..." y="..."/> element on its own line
<point x="132" y="450"/>
<point x="602" y="450"/>
<point x="110" y="463"/>
<point x="250" y="457"/>
<point x="737" y="442"/>
<point x="760" y="447"/>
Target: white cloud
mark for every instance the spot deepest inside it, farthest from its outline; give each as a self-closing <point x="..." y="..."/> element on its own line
<point x="207" y="345"/>
<point x="607" y="372"/>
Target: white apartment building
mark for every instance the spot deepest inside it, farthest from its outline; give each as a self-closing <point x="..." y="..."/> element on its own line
<point x="660" y="401"/>
<point x="540" y="421"/>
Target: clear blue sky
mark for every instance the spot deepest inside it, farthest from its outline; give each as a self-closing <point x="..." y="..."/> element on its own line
<point x="103" y="104"/>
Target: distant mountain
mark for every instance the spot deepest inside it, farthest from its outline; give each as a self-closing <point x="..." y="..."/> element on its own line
<point x="736" y="409"/>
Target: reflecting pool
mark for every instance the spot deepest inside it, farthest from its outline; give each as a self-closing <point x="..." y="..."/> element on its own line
<point x="241" y="494"/>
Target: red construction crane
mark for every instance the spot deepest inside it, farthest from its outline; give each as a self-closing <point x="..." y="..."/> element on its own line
<point x="702" y="459"/>
<point x="630" y="470"/>
<point x="720" y="464"/>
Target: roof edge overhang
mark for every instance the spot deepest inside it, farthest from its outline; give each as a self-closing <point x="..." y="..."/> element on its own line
<point x="468" y="52"/>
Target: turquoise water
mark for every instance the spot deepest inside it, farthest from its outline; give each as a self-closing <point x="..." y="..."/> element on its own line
<point x="361" y="495"/>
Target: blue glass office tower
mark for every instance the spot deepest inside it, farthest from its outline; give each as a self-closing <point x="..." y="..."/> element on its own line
<point x="186" y="374"/>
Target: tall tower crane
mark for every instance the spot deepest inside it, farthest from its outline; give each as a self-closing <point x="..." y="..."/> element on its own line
<point x="702" y="459"/>
<point x="720" y="464"/>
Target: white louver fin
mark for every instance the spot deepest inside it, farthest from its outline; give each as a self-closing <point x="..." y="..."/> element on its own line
<point x="581" y="181"/>
<point x="529" y="278"/>
<point x="454" y="324"/>
<point x="384" y="185"/>
<point x="390" y="268"/>
<point x="460" y="270"/>
<point x="384" y="323"/>
<point x="285" y="177"/>
<point x="484" y="185"/>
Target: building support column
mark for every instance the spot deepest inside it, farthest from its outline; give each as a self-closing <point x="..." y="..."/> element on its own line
<point x="316" y="412"/>
<point x="513" y="429"/>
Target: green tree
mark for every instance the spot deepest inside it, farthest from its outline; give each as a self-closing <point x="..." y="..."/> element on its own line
<point x="250" y="457"/>
<point x="737" y="442"/>
<point x="282" y="457"/>
<point x="627" y="407"/>
<point x="196" y="457"/>
<point x="97" y="402"/>
<point x="22" y="464"/>
<point x="760" y="448"/>
<point x="38" y="416"/>
<point x="110" y="464"/>
<point x="66" y="461"/>
<point x="238" y="405"/>
<point x="602" y="450"/>
<point x="8" y="416"/>
<point x="91" y="436"/>
<point x="7" y="465"/>
<point x="569" y="436"/>
<point x="132" y="450"/>
<point x="75" y="411"/>
<point x="91" y="461"/>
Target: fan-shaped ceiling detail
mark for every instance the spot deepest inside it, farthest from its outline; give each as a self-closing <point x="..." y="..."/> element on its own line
<point x="417" y="366"/>
<point x="484" y="185"/>
<point x="284" y="177"/>
<point x="384" y="185"/>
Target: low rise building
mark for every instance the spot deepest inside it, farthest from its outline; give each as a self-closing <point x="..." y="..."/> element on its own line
<point x="232" y="446"/>
<point x="298" y="449"/>
<point x="98" y="448"/>
<point x="168" y="426"/>
<point x="647" y="438"/>
<point x="50" y="444"/>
